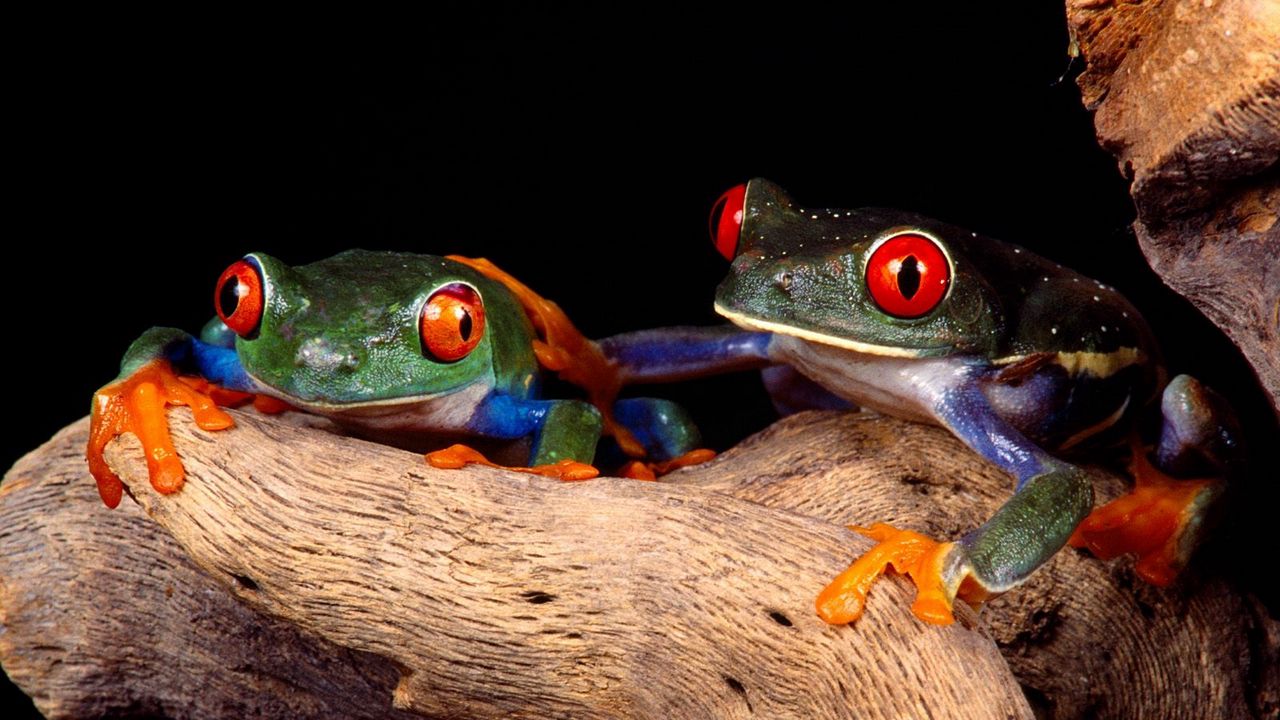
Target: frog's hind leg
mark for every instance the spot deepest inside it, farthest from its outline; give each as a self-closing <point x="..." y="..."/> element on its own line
<point x="663" y="427"/>
<point x="1200" y="435"/>
<point x="1163" y="517"/>
<point x="669" y="436"/>
<point x="564" y="433"/>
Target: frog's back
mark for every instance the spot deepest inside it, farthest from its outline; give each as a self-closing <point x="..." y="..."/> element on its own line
<point x="1070" y="343"/>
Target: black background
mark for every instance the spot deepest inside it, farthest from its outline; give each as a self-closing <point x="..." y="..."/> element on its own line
<point x="581" y="150"/>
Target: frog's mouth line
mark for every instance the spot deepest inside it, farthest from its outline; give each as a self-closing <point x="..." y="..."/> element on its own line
<point x="751" y="323"/>
<point x="372" y="407"/>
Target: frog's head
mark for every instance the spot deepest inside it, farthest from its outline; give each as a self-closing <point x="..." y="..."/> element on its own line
<point x="358" y="328"/>
<point x="871" y="280"/>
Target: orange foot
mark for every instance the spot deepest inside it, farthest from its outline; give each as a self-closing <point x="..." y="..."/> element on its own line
<point x="1151" y="521"/>
<point x="456" y="456"/>
<point x="640" y="470"/>
<point x="137" y="405"/>
<point x="223" y="397"/>
<point x="909" y="552"/>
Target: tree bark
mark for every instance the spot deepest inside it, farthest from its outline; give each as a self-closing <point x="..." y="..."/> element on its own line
<point x="1186" y="95"/>
<point x="301" y="574"/>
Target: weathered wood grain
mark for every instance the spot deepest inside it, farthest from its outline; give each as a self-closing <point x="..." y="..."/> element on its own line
<point x="501" y="594"/>
<point x="1186" y="95"/>
<point x="103" y="615"/>
<point x="1085" y="638"/>
<point x="381" y="582"/>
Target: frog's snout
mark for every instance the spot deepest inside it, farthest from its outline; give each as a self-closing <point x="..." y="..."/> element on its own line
<point x="329" y="356"/>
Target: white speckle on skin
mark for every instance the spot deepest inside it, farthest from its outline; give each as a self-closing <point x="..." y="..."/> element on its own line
<point x="1053" y="330"/>
<point x="1097" y="299"/>
<point x="1124" y="313"/>
<point x="1017" y="251"/>
<point x="813" y="217"/>
<point x="1046" y="278"/>
<point x="1104" y="328"/>
<point x="973" y="234"/>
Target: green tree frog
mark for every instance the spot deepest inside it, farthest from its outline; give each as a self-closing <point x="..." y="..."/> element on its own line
<point x="390" y="346"/>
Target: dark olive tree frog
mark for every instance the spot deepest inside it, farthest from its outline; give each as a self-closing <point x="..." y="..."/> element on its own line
<point x="390" y="346"/>
<point x="1020" y="358"/>
<point x="1014" y="354"/>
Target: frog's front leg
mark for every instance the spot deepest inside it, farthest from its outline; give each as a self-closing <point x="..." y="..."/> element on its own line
<point x="564" y="433"/>
<point x="135" y="402"/>
<point x="1051" y="499"/>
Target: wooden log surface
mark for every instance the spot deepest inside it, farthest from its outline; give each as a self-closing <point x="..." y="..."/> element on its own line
<point x="327" y="576"/>
<point x="1186" y="95"/>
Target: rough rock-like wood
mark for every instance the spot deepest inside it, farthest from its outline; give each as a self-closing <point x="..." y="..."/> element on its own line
<point x="381" y="582"/>
<point x="1085" y="638"/>
<point x="103" y="615"/>
<point x="492" y="593"/>
<point x="1186" y="95"/>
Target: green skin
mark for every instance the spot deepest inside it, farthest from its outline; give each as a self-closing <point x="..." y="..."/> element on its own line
<point x="340" y="338"/>
<point x="1020" y="355"/>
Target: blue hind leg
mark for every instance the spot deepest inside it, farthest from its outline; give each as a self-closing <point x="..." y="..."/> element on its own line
<point x="662" y="426"/>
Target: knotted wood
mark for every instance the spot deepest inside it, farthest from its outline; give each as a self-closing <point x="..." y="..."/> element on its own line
<point x="302" y="574"/>
<point x="1186" y="95"/>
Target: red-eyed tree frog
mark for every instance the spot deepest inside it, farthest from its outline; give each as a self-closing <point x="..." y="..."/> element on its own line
<point x="1022" y="359"/>
<point x="390" y="346"/>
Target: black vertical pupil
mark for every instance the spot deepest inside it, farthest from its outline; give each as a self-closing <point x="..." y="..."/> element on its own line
<point x="229" y="296"/>
<point x="464" y="326"/>
<point x="909" y="277"/>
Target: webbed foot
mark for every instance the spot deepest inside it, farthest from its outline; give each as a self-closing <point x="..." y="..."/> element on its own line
<point x="641" y="470"/>
<point x="457" y="456"/>
<point x="1158" y="520"/>
<point x="137" y="404"/>
<point x="908" y="552"/>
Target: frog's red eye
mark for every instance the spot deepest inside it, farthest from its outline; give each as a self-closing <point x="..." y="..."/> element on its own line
<point x="908" y="275"/>
<point x="238" y="298"/>
<point x="451" y="323"/>
<point x="726" y="221"/>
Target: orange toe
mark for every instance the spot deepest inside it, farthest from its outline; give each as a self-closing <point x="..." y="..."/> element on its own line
<point x="908" y="552"/>
<point x="640" y="470"/>
<point x="457" y="456"/>
<point x="137" y="405"/>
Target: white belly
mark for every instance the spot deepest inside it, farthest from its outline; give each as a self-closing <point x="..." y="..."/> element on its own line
<point x="900" y="386"/>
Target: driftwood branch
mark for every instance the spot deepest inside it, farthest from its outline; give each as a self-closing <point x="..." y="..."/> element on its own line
<point x="1186" y="95"/>
<point x="329" y="576"/>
